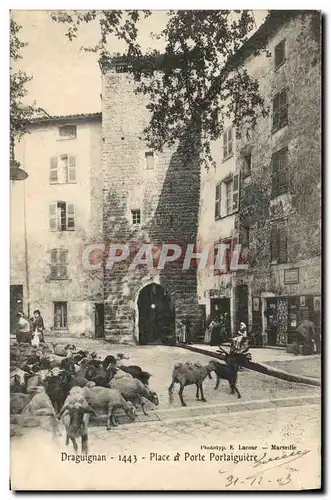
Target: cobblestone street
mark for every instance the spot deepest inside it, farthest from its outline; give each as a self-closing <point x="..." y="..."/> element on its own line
<point x="133" y="453"/>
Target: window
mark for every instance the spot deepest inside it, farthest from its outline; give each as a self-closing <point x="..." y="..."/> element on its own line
<point x="62" y="169"/>
<point x="279" y="242"/>
<point x="280" y="54"/>
<point x="58" y="264"/>
<point x="149" y="159"/>
<point x="247" y="165"/>
<point x="136" y="216"/>
<point x="244" y="235"/>
<point x="218" y="201"/>
<point x="279" y="162"/>
<point x="60" y="315"/>
<point x="228" y="197"/>
<point x="61" y="216"/>
<point x="227" y="255"/>
<point x="227" y="143"/>
<point x="67" y="131"/>
<point x="279" y="110"/>
<point x="228" y="190"/>
<point x="235" y="193"/>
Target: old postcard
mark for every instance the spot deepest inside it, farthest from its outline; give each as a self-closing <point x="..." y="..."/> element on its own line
<point x="165" y="290"/>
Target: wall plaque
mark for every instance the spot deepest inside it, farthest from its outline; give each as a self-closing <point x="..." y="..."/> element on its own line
<point x="291" y="276"/>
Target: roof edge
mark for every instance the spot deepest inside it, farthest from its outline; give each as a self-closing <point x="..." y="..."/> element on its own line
<point x="66" y="118"/>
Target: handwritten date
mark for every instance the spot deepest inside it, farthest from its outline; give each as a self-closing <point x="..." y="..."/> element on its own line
<point x="251" y="481"/>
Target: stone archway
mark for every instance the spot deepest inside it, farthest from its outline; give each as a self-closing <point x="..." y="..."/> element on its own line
<point x="156" y="317"/>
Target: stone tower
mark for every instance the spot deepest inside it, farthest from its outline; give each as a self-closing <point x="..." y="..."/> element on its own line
<point x="151" y="198"/>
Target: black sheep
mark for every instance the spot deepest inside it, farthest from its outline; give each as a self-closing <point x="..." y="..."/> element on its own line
<point x="136" y="372"/>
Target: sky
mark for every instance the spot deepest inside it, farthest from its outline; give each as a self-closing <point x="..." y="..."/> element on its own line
<point x="67" y="80"/>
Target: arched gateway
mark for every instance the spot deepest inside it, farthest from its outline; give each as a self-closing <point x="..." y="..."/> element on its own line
<point x="156" y="316"/>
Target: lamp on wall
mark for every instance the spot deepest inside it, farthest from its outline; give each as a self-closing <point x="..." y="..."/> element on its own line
<point x="18" y="174"/>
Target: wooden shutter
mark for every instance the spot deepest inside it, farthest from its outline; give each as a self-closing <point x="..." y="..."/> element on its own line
<point x="279" y="54"/>
<point x="70" y="217"/>
<point x="53" y="175"/>
<point x="230" y="140"/>
<point x="282" y="231"/>
<point x="53" y="224"/>
<point x="71" y="169"/>
<point x="275" y="173"/>
<point x="62" y="263"/>
<point x="57" y="315"/>
<point x="235" y="193"/>
<point x="225" y="149"/>
<point x="218" y="201"/>
<point x="53" y="263"/>
<point x="274" y="247"/>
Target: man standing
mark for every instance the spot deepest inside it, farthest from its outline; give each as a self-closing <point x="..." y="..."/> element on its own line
<point x="305" y="334"/>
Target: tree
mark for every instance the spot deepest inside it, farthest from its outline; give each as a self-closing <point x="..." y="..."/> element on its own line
<point x="193" y="85"/>
<point x="20" y="113"/>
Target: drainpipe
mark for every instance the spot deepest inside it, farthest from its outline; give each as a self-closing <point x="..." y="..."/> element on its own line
<point x="26" y="260"/>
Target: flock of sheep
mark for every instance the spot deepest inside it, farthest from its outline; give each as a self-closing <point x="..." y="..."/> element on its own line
<point x="56" y="382"/>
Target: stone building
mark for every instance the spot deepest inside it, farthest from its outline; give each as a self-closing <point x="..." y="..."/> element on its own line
<point x="55" y="213"/>
<point x="147" y="197"/>
<point x="278" y="217"/>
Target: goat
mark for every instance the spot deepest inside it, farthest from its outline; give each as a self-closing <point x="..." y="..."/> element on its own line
<point x="135" y="391"/>
<point x="75" y="418"/>
<point x="57" y="387"/>
<point x="188" y="374"/>
<point x="108" y="400"/>
<point x="18" y="380"/>
<point x="96" y="373"/>
<point x="227" y="372"/>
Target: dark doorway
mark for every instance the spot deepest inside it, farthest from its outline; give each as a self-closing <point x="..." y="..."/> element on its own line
<point x="241" y="305"/>
<point x="156" y="316"/>
<point x="271" y="317"/>
<point x="99" y="321"/>
<point x="16" y="304"/>
<point x="219" y="306"/>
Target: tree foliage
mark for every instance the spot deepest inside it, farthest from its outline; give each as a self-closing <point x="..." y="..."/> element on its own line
<point x="192" y="85"/>
<point x="20" y="113"/>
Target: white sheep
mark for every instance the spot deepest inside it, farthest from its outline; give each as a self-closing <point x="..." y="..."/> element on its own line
<point x="135" y="391"/>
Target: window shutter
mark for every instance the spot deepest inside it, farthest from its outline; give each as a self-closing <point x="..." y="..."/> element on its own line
<point x="53" y="263"/>
<point x="72" y="169"/>
<point x="235" y="192"/>
<point x="230" y="149"/>
<point x="53" y="226"/>
<point x="225" y="145"/>
<point x="62" y="263"/>
<point x="275" y="173"/>
<point x="274" y="243"/>
<point x="53" y="175"/>
<point x="218" y="201"/>
<point x="282" y="242"/>
<point x="70" y="217"/>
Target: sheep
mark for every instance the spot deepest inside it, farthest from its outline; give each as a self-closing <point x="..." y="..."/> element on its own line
<point x="108" y="400"/>
<point x="227" y="372"/>
<point x="137" y="373"/>
<point x="188" y="374"/>
<point x="61" y="350"/>
<point x="75" y="416"/>
<point x="40" y="406"/>
<point x="98" y="374"/>
<point x="18" y="379"/>
<point x="134" y="391"/>
<point x="18" y="401"/>
<point x="119" y="375"/>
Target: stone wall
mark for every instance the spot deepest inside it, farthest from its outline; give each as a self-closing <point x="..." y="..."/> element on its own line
<point x="168" y="197"/>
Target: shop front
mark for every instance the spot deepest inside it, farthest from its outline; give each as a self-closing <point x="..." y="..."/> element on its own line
<point x="283" y="314"/>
